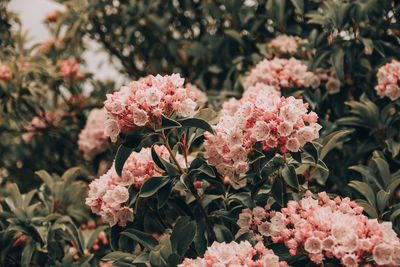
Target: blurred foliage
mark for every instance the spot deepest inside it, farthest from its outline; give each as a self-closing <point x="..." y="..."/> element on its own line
<point x="213" y="44"/>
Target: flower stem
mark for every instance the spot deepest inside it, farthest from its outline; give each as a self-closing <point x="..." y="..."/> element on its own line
<point x="192" y="189"/>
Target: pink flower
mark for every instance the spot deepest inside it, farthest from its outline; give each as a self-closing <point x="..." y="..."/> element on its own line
<point x="52" y="16"/>
<point x="273" y="121"/>
<point x="5" y="72"/>
<point x="283" y="45"/>
<point x="281" y="73"/>
<point x="382" y="254"/>
<point x="321" y="227"/>
<point x="70" y="70"/>
<point x="388" y="80"/>
<point x="92" y="140"/>
<point x="143" y="102"/>
<point x="313" y="245"/>
<point x="234" y="254"/>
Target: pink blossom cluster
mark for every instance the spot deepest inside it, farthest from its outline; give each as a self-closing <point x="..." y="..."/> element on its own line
<point x="389" y="80"/>
<point x="142" y="103"/>
<point x="108" y="195"/>
<point x="70" y="69"/>
<point x="324" y="228"/>
<point x="37" y="123"/>
<point x="260" y="116"/>
<point x="50" y="42"/>
<point x="5" y="72"/>
<point x="92" y="140"/>
<point x="283" y="44"/>
<point x="236" y="254"/>
<point x="196" y="93"/>
<point x="52" y="16"/>
<point x="281" y="73"/>
<point x="329" y="78"/>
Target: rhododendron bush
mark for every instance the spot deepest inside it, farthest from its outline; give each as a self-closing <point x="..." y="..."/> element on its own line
<point x="242" y="133"/>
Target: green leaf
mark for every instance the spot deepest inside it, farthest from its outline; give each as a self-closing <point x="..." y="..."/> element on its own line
<point x="277" y="190"/>
<point x="244" y="198"/>
<point x="152" y="185"/>
<point x="182" y="235"/>
<point x="312" y="150"/>
<point x="145" y="239"/>
<point x="207" y="199"/>
<point x="94" y="235"/>
<point x="382" y="198"/>
<point x="393" y="147"/>
<point x="222" y="233"/>
<point x="15" y="196"/>
<point x="299" y="5"/>
<point x="288" y="173"/>
<point x="70" y="175"/>
<point x="122" y="155"/>
<point x="365" y="190"/>
<point x="383" y="168"/>
<point x="27" y="253"/>
<point x="197" y="123"/>
<point x="296" y="156"/>
<point x="66" y="224"/>
<point x="321" y="174"/>
<point x="207" y="170"/>
<point x="367" y="174"/>
<point x="368" y="45"/>
<point x="235" y="36"/>
<point x="163" y="195"/>
<point x="395" y="214"/>
<point x="338" y="63"/>
<point x="46" y="178"/>
<point x="331" y="141"/>
<point x="163" y="164"/>
<point x="117" y="255"/>
<point x="370" y="210"/>
<point x="167" y="123"/>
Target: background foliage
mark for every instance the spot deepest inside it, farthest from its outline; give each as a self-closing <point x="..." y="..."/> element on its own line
<point x="213" y="44"/>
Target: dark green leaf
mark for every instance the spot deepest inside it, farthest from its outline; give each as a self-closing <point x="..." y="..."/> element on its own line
<point x="365" y="190"/>
<point x="288" y="173"/>
<point x="222" y="233"/>
<point x="120" y="158"/>
<point x="152" y="185"/>
<point x="182" y="235"/>
<point x="145" y="239"/>
<point x="197" y="123"/>
<point x="167" y="123"/>
<point x="277" y="190"/>
<point x="338" y="63"/>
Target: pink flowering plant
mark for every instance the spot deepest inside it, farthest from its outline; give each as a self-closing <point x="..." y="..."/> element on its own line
<point x="239" y="133"/>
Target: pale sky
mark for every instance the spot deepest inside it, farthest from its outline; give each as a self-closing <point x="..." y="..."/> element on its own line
<point x="32" y="13"/>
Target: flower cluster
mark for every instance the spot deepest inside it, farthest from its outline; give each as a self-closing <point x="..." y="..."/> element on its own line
<point x="92" y="140"/>
<point x="70" y="69"/>
<point x="260" y="116"/>
<point x="108" y="195"/>
<point x="142" y="103"/>
<point x="52" y="16"/>
<point x="5" y="72"/>
<point x="37" y="123"/>
<point x="234" y="254"/>
<point x="281" y="73"/>
<point x="283" y="44"/>
<point x="195" y="93"/>
<point x="389" y="80"/>
<point x="329" y="79"/>
<point x="45" y="46"/>
<point x="324" y="228"/>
